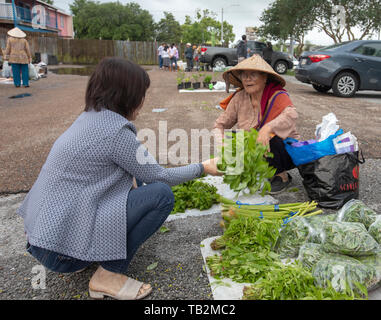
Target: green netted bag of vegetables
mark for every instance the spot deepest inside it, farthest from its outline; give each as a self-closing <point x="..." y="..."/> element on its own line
<point x="375" y="229"/>
<point x="244" y="164"/>
<point x="310" y="254"/>
<point x="317" y="223"/>
<point x="292" y="236"/>
<point x="350" y="238"/>
<point x="341" y="270"/>
<point x="357" y="211"/>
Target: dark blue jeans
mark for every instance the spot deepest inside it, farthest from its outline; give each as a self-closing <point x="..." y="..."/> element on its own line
<point x="18" y="68"/>
<point x="147" y="208"/>
<point x="160" y="62"/>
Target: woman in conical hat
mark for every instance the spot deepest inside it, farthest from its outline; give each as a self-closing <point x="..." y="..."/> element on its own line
<point x="18" y="55"/>
<point x="261" y="102"/>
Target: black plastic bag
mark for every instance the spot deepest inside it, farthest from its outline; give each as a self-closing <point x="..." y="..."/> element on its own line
<point x="332" y="180"/>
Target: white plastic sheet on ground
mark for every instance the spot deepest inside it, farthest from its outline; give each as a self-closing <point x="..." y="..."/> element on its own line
<point x="224" y="190"/>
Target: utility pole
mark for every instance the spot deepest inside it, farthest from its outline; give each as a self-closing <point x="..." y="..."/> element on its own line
<point x="222" y="26"/>
<point x="222" y="21"/>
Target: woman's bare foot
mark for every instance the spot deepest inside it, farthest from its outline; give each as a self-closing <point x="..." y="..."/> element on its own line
<point x="110" y="282"/>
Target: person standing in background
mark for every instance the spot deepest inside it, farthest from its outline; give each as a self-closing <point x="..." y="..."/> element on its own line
<point x="268" y="52"/>
<point x="242" y="49"/>
<point x="165" y="56"/>
<point x="17" y="53"/>
<point x="172" y="55"/>
<point x="189" y="56"/>
<point x="159" y="53"/>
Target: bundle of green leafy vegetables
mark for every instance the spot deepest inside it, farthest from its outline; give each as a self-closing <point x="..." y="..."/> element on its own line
<point x="317" y="223"/>
<point x="375" y="229"/>
<point x="341" y="271"/>
<point x="194" y="194"/>
<point x="373" y="261"/>
<point x="310" y="254"/>
<point x="244" y="164"/>
<point x="293" y="282"/>
<point x="246" y="254"/>
<point x="292" y="236"/>
<point x="349" y="238"/>
<point x="357" y="211"/>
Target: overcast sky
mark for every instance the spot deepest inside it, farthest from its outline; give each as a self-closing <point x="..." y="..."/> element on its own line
<point x="245" y="15"/>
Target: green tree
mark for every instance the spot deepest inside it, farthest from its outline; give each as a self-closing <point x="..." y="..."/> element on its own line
<point x="168" y="29"/>
<point x="205" y="28"/>
<point x="363" y="14"/>
<point x="111" y="21"/>
<point x="284" y="19"/>
<point x="49" y="2"/>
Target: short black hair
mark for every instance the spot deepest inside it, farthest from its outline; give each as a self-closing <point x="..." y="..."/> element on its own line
<point x="118" y="85"/>
<point x="244" y="37"/>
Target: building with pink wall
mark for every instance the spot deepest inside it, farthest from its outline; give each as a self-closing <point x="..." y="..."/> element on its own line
<point x="36" y="16"/>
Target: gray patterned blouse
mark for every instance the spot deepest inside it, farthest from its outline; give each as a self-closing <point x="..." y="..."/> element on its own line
<point x="77" y="205"/>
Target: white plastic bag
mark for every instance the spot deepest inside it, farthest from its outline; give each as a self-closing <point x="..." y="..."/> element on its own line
<point x="7" y="70"/>
<point x="33" y="74"/>
<point x="220" y="85"/>
<point x="327" y="127"/>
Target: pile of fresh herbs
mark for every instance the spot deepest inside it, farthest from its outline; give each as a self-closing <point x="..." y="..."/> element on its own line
<point x="247" y="256"/>
<point x="293" y="282"/>
<point x="243" y="162"/>
<point x="194" y="194"/>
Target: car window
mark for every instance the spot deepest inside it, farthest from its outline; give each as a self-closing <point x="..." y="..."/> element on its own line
<point x="250" y="45"/>
<point x="260" y="45"/>
<point x="369" y="49"/>
<point x="334" y="47"/>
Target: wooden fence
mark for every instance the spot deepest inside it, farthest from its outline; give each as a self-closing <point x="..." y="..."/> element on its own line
<point x="90" y="51"/>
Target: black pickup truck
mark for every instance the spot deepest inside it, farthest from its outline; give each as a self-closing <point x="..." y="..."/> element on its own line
<point x="219" y="57"/>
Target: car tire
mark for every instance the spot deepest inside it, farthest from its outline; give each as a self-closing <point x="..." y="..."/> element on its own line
<point x="219" y="62"/>
<point x="321" y="88"/>
<point x="345" y="85"/>
<point x="281" y="67"/>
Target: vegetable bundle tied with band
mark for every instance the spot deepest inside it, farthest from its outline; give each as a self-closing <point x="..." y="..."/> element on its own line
<point x="234" y="209"/>
<point x="243" y="162"/>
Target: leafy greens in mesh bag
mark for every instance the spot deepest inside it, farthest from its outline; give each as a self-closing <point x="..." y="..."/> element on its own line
<point x="350" y="238"/>
<point x="357" y="211"/>
<point x="292" y="236"/>
<point x="310" y="254"/>
<point x="373" y="261"/>
<point x="317" y="223"/>
<point x="375" y="229"/>
<point x="341" y="271"/>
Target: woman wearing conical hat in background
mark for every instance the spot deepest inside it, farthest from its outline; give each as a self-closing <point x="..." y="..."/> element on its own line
<point x="261" y="102"/>
<point x="18" y="55"/>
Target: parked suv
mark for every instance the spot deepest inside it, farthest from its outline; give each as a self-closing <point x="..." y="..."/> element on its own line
<point x="345" y="68"/>
<point x="223" y="57"/>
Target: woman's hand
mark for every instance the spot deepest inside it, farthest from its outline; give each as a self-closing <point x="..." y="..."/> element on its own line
<point x="210" y="167"/>
<point x="264" y="136"/>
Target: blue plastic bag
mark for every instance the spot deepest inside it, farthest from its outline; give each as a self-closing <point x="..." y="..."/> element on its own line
<point x="311" y="152"/>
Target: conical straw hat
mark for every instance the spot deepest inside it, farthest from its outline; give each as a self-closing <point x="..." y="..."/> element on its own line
<point x="16" y="33"/>
<point x="254" y="63"/>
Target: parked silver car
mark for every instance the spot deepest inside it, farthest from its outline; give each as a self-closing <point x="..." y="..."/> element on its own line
<point x="345" y="68"/>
